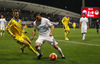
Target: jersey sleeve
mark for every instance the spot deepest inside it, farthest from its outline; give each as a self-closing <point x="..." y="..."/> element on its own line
<point x="9" y="26"/>
<point x="63" y="20"/>
<point x="87" y="20"/>
<point x="49" y="23"/>
<point x="34" y="26"/>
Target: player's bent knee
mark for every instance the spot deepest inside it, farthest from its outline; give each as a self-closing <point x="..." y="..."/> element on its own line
<point x="25" y="42"/>
<point x="37" y="44"/>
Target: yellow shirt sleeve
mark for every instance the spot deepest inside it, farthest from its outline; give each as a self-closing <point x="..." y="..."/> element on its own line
<point x="63" y="20"/>
<point x="9" y="26"/>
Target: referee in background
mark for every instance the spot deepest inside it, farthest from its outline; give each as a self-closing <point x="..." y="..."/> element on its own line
<point x="97" y="26"/>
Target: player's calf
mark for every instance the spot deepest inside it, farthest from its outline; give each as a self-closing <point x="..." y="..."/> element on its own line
<point x="37" y="46"/>
<point x="59" y="51"/>
<point x="22" y="50"/>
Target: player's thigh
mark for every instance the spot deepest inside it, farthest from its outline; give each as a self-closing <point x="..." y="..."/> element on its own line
<point x="83" y="30"/>
<point x="39" y="42"/>
<point x="3" y="28"/>
<point x="67" y="28"/>
<point x="97" y="28"/>
<point x="20" y="40"/>
<point x="26" y="38"/>
<point x="51" y="40"/>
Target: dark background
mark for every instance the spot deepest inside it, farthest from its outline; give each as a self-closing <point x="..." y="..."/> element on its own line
<point x="71" y="5"/>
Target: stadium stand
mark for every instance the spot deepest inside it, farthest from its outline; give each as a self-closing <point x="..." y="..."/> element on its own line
<point x="27" y="10"/>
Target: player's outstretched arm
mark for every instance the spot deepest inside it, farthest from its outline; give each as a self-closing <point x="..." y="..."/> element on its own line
<point x="52" y="29"/>
<point x="8" y="28"/>
<point x="33" y="34"/>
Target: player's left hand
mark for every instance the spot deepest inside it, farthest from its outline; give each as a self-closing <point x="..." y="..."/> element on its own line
<point x="26" y="31"/>
<point x="70" y="23"/>
<point x="50" y="34"/>
<point x="31" y="38"/>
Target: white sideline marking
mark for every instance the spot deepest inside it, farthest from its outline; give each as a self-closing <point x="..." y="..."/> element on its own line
<point x="79" y="43"/>
<point x="77" y="35"/>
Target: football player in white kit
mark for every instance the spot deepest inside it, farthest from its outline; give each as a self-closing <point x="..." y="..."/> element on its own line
<point x="84" y="24"/>
<point x="3" y="24"/>
<point x="45" y="34"/>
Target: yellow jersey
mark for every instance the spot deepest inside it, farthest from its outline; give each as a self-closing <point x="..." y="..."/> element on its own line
<point x="74" y="24"/>
<point x="65" y="21"/>
<point x="14" y="27"/>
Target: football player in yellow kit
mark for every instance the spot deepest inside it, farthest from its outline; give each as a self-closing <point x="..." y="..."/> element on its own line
<point x="74" y="25"/>
<point x="65" y="22"/>
<point x="14" y="28"/>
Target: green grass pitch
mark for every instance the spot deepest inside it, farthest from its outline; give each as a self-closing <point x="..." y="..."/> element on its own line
<point x="75" y="50"/>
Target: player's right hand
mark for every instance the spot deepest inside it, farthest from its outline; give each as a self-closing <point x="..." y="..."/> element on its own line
<point x="31" y="38"/>
<point x="14" y="36"/>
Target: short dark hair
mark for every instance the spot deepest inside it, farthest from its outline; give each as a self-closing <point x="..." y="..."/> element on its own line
<point x="35" y="14"/>
<point x="66" y="13"/>
<point x="15" y="10"/>
<point x="83" y="13"/>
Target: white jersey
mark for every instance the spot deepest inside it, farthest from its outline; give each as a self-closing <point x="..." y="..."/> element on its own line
<point x="84" y="22"/>
<point x="43" y="27"/>
<point x="2" y="22"/>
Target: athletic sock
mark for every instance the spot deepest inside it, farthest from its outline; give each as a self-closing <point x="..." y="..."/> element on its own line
<point x="60" y="52"/>
<point x="39" y="50"/>
<point x="83" y="36"/>
<point x="30" y="48"/>
<point x="65" y="34"/>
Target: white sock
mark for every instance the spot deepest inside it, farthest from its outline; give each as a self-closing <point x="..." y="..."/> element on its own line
<point x="83" y="36"/>
<point x="37" y="54"/>
<point x="1" y="33"/>
<point x="39" y="50"/>
<point x="60" y="52"/>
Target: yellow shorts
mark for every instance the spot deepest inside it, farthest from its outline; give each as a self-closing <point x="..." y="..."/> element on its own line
<point x="20" y="39"/>
<point x="66" y="27"/>
<point x="74" y="26"/>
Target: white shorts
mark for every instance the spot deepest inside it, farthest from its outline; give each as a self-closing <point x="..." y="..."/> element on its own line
<point x="83" y="30"/>
<point x="47" y="39"/>
<point x="3" y="28"/>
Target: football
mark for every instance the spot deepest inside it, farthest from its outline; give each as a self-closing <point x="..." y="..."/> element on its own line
<point x="53" y="56"/>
